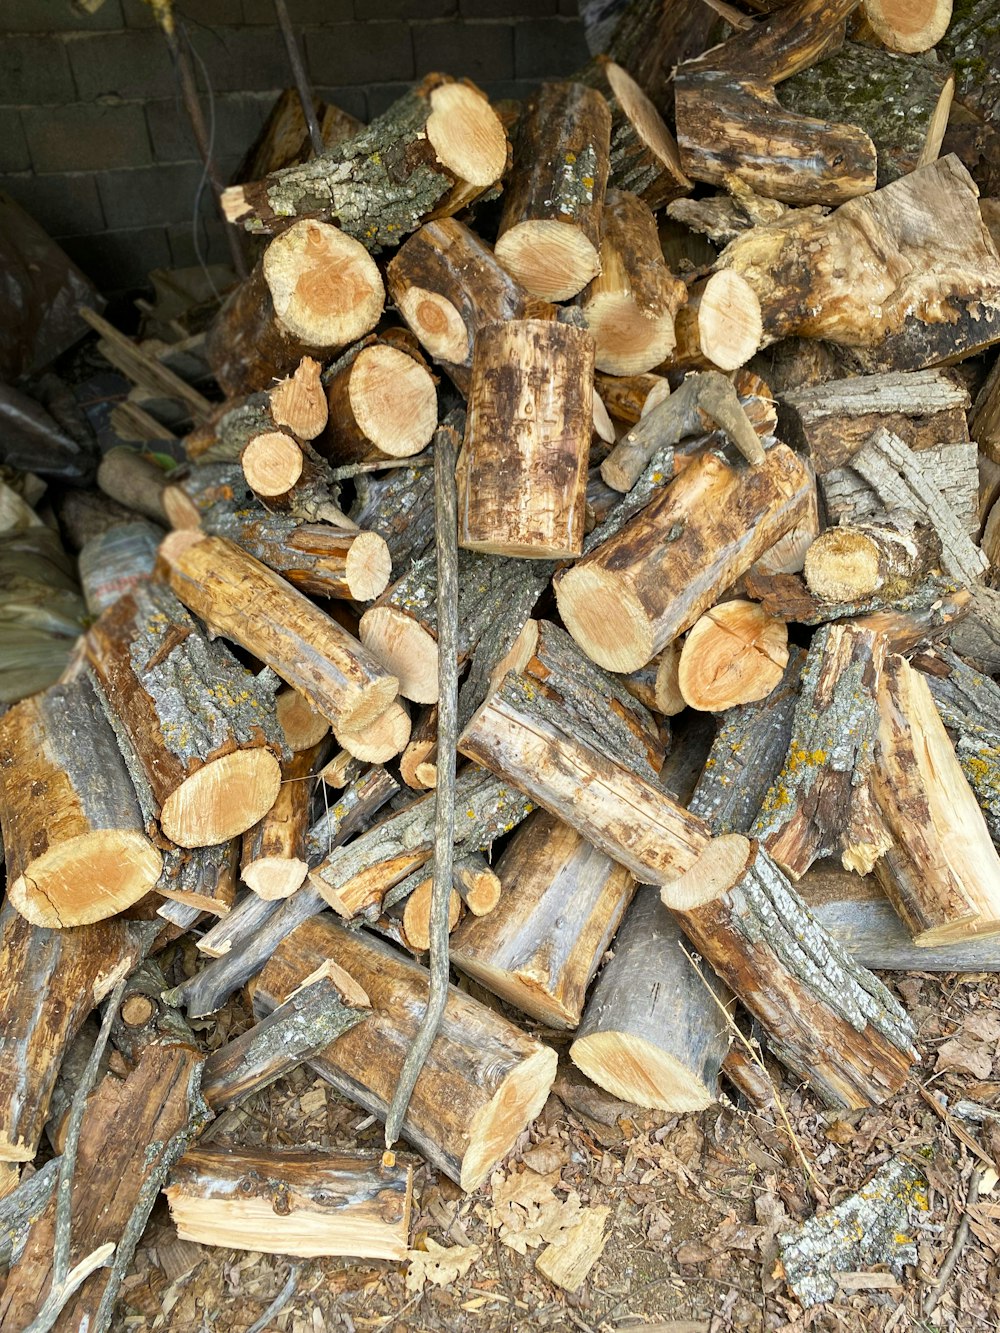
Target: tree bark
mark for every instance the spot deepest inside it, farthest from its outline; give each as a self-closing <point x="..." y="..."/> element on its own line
<point x="892" y="553"/>
<point x="202" y="878"/>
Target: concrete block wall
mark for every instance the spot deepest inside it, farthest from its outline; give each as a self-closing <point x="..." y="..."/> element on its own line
<point x="94" y="140"/>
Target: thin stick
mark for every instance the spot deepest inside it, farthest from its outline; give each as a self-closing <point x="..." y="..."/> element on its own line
<point x="957" y="1246"/>
<point x="446" y="524"/>
<point x="278" y="1304"/>
<point x="300" y="76"/>
<point x="60" y="1289"/>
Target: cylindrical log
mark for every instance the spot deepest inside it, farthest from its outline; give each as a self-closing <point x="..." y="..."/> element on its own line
<point x="398" y="505"/>
<point x="73" y="834"/>
<point x="630" y="306"/>
<point x="629" y="397"/>
<point x="417" y="762"/>
<point x="549" y="236"/>
<point x="416" y="915"/>
<point x="483" y="1082"/>
<point x="301" y="725"/>
<point x="291" y="477"/>
<point x="851" y="562"/>
<point x="298" y="401"/>
<point x="380" y="740"/>
<point x="827" y="1019"/>
<point x="204" y="736"/>
<point x="314" y="291"/>
<point x="734" y="654"/>
<point x="134" y="481"/>
<point x="561" y="904"/>
<point x="905" y="25"/>
<point x="657" y="684"/>
<point x="273" y="860"/>
<point x="654" y="1032"/>
<point x="476" y="883"/>
<point x="113" y="562"/>
<point x="522" y="474"/>
<point x="638" y="591"/>
<point x="720" y="325"/>
<point x="382" y="404"/>
<point x="248" y="603"/>
<point x="447" y="285"/>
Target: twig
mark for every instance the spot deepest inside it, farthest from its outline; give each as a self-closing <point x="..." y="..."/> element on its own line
<point x="300" y="76"/>
<point x="278" y="1304"/>
<point x="446" y="523"/>
<point x="956" y="1129"/>
<point x="65" y="1282"/>
<point x="957" y="1246"/>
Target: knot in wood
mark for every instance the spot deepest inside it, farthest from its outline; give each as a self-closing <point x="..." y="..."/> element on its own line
<point x="280" y="1202"/>
<point x="248" y="1185"/>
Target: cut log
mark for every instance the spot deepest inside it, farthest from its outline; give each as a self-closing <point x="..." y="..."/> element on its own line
<point x="417" y="766"/>
<point x="382" y="404"/>
<point x="915" y="25"/>
<point x="730" y="126"/>
<point x="923" y="247"/>
<point x="342" y="769"/>
<point x="643" y="155"/>
<point x="648" y="41"/>
<point x="821" y="802"/>
<point x="133" y="1131"/>
<point x="254" y="607"/>
<point x="74" y="838"/>
<point x="550" y="231"/>
<point x="50" y="980"/>
<point x="380" y="740"/>
<point x="852" y="562"/>
<point x="203" y="734"/>
<point x="398" y="506"/>
<point x="314" y="291"/>
<point x="635" y="593"/>
<point x="561" y="904"/>
<point x="144" y="1018"/>
<point x="447" y="285"/>
<point x="522" y="474"/>
<point x="942" y="873"/>
<point x="657" y="684"/>
<point x="300" y="724"/>
<point x="561" y="762"/>
<point x="654" y="1032"/>
<point x="629" y="397"/>
<point x="476" y="882"/>
<point x="202" y="878"/>
<point x="734" y="654"/>
<point x="292" y="1201"/>
<point x="827" y="1019"/>
<point x="790" y="39"/>
<point x="291" y="477"/>
<point x="720" y="326"/>
<point x="483" y="1082"/>
<point x="134" y="480"/>
<point x="977" y="637"/>
<point x="298" y="401"/>
<point x="416" y="914"/>
<point x="273" y="859"/>
<point x="431" y="153"/>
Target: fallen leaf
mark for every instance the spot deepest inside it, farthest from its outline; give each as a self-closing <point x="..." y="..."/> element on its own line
<point x="840" y="1132"/>
<point x="964" y="1057"/>
<point x="983" y="1025"/>
<point x="440" y="1265"/>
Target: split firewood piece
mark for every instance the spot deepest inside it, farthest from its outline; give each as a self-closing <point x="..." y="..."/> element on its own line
<point x="417" y="765"/>
<point x="643" y="155"/>
<point x="291" y="477"/>
<point x="134" y="480"/>
<point x="785" y="42"/>
<point x="827" y="1019"/>
<point x="730" y="125"/>
<point x="821" y="802"/>
<point x="416" y="913"/>
<point x="273" y="859"/>
<point x="522" y="473"/>
<point x="977" y="637"/>
<point x="902" y="105"/>
<point x="323" y="1008"/>
<point x="654" y="1032"/>
<point x="788" y="554"/>
<point x="133" y="1131"/>
<point x="355" y="878"/>
<point x="255" y="927"/>
<point x="382" y="404"/>
<point x="720" y="327"/>
<point x="942" y="873"/>
<point x="398" y="505"/>
<point x="702" y="402"/>
<point x="447" y="285"/>
<point x="476" y="882"/>
<point x="292" y="1201"/>
<point x="237" y="596"/>
<point x="50" y="980"/>
<point x="201" y="878"/>
<point x="483" y="1082"/>
<point x="299" y="402"/>
<point x="542" y="747"/>
<point x="657" y="684"/>
<point x="893" y="470"/>
<point x="854" y="561"/>
<point x="859" y="915"/>
<point x="920" y="240"/>
<point x="561" y="904"/>
<point x="435" y="150"/>
<point x="301" y="726"/>
<point x="202" y="489"/>
<point x="629" y="397"/>
<point x="636" y="592"/>
<point x="400" y="630"/>
<point x="734" y="654"/>
<point x="550" y="230"/>
<point x="314" y="291"/>
<point x="75" y="841"/>
<point x="381" y="740"/>
<point x="630" y="306"/>
<point x="204" y="736"/>
<point x="916" y="25"/>
<point x="832" y="421"/>
<point x="342" y="769"/>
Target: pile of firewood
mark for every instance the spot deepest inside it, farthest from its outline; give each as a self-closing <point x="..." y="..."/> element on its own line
<point x="684" y="669"/>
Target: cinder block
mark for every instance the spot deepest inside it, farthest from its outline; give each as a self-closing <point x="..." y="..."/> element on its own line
<point x="116" y="260"/>
<point x="359" y="53"/>
<point x="313" y="13"/>
<point x="14" y="154"/>
<point x="352" y="100"/>
<point x="382" y="95"/>
<point x="121" y="64"/>
<point x="241" y="60"/>
<point x="506" y="9"/>
<point x="34" y="71"/>
<point x="52" y="16"/>
<point x="211" y="242"/>
<point x="238" y="117"/>
<point x="86" y="138"/>
<point x="60" y="203"/>
<point x="138" y="13"/>
<point x="549" y="48"/>
<point x="146" y="196"/>
<point x="479" y="51"/>
<point x="570" y="8"/>
<point x="405" y="9"/>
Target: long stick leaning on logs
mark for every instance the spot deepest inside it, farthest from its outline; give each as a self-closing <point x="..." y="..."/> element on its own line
<point x="743" y="487"/>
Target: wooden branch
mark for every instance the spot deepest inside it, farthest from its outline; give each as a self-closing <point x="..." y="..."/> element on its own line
<point x="289" y="476"/>
<point x="854" y="561"/>
<point x="791" y="39"/>
<point x="273" y="856"/>
<point x="202" y="879"/>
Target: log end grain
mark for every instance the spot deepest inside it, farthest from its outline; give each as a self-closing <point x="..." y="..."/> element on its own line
<point x="326" y="288"/>
<point x="222" y="799"/>
<point x="842" y="565"/>
<point x="298" y="401"/>
<point x="272" y="463"/>
<point x="437" y="323"/>
<point x="466" y="134"/>
<point x="907" y="25"/>
<point x="393" y="400"/>
<point x="117" y="867"/>
<point x="605" y="618"/>
<point x="628" y="341"/>
<point x="417" y="916"/>
<point x="516" y="1103"/>
<point x="734" y="654"/>
<point x="730" y="327"/>
<point x="636" y="1071"/>
<point x="368" y="567"/>
<point x="302" y="725"/>
<point x="553" y="260"/>
<point x="405" y="648"/>
<point x="273" y="877"/>
<point x="382" y="740"/>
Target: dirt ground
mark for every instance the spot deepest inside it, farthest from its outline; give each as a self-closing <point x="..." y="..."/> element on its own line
<point x="694" y="1201"/>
